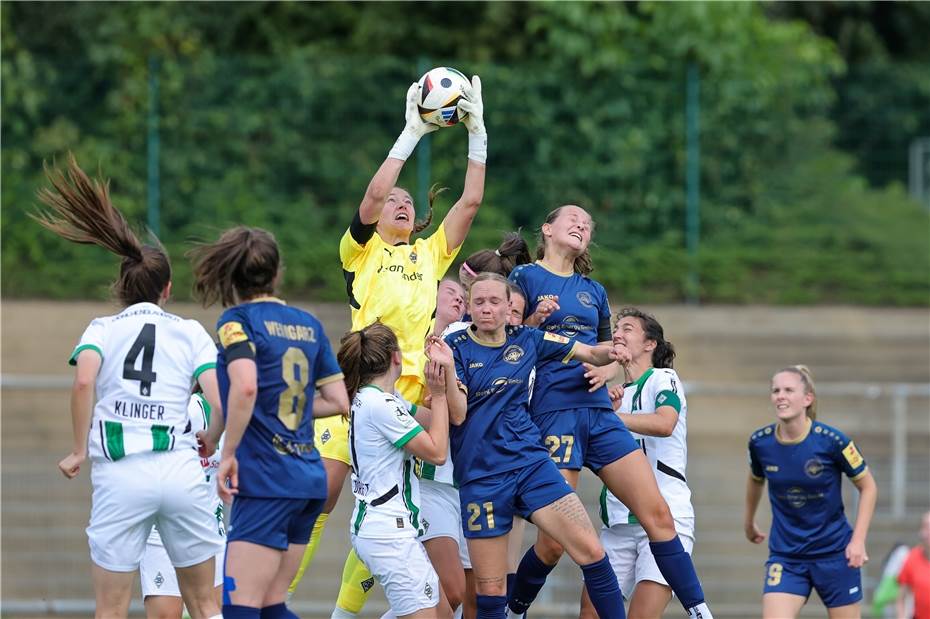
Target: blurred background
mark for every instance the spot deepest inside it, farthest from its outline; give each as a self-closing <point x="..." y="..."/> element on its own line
<point x="759" y="175"/>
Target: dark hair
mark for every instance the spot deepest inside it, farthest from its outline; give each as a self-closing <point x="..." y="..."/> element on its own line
<point x="366" y="354"/>
<point x="422" y="224"/>
<point x="488" y="276"/>
<point x="583" y="264"/>
<point x="515" y="290"/>
<point x="663" y="355"/>
<point x="512" y="251"/>
<point x="242" y="264"/>
<point x="81" y="212"/>
<point x="807" y="379"/>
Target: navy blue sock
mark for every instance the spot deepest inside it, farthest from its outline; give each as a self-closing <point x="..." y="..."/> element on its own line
<point x="601" y="583"/>
<point x="490" y="606"/>
<point x="677" y="568"/>
<point x="277" y="611"/>
<point x="530" y="578"/>
<point x="233" y="611"/>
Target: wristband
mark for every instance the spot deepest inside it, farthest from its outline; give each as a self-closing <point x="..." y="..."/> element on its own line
<point x="404" y="145"/>
<point x="478" y="147"/>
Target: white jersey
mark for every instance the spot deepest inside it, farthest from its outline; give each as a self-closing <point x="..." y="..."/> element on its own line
<point x="199" y="412"/>
<point x="150" y="360"/>
<point x="667" y="455"/>
<point x="387" y="493"/>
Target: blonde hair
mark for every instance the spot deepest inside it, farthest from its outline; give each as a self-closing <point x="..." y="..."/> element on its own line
<point x="807" y="378"/>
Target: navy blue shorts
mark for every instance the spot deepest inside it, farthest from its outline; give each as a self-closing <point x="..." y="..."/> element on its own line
<point x="591" y="437"/>
<point x="275" y="523"/>
<point x="836" y="583"/>
<point x="488" y="504"/>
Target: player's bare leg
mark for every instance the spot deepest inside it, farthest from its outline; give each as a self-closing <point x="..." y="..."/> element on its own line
<point x="850" y="611"/>
<point x="443" y="553"/>
<point x="781" y="605"/>
<point x="197" y="589"/>
<point x="112" y="592"/>
<point x="547" y="548"/>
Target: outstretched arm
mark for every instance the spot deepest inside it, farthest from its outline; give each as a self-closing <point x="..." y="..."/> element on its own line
<point x="458" y="220"/>
<point x="386" y="177"/>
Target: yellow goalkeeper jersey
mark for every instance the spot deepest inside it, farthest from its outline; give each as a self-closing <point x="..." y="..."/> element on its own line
<point x="396" y="284"/>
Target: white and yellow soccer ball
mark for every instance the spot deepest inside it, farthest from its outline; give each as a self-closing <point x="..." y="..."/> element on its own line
<point x="440" y="91"/>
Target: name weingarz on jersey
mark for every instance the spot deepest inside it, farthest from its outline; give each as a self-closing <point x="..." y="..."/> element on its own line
<point x="300" y="333"/>
<point x="140" y="410"/>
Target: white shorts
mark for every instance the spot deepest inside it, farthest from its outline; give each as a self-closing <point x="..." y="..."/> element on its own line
<point x="133" y="494"/>
<point x="158" y="575"/>
<point x="440" y="510"/>
<point x="401" y="566"/>
<point x="627" y="548"/>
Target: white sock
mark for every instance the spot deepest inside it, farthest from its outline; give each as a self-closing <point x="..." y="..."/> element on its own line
<point x="338" y="613"/>
<point x="701" y="611"/>
<point x="389" y="615"/>
<point x="458" y="612"/>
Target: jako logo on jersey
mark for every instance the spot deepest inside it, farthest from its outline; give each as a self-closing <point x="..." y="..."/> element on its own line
<point x="813" y="468"/>
<point x="854" y="590"/>
<point x="513" y="354"/>
<point x="585" y="299"/>
<point x="474" y="365"/>
<point x="772" y="468"/>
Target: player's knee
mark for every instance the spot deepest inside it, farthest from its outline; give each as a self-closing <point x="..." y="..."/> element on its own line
<point x="491" y="586"/>
<point x="658" y="521"/>
<point x="548" y="550"/>
<point x="588" y="550"/>
<point x="455" y="593"/>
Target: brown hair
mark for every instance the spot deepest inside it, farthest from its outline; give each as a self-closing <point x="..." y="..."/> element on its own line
<point x="488" y="276"/>
<point x="366" y="354"/>
<point x="807" y="379"/>
<point x="242" y="264"/>
<point x="663" y="355"/>
<point x="81" y="212"/>
<point x="583" y="264"/>
<point x="512" y="251"/>
<point x="422" y="224"/>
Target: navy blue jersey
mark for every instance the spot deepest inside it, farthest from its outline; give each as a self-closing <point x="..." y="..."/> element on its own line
<point x="293" y="357"/>
<point x="498" y="434"/>
<point x="804" y="478"/>
<point x="583" y="314"/>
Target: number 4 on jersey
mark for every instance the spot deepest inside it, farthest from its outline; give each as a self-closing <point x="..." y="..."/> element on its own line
<point x="145" y="344"/>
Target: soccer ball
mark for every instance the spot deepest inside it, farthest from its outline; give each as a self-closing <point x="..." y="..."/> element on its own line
<point x="440" y="91"/>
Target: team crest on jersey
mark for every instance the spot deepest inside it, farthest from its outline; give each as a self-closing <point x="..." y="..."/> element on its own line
<point x="852" y="455"/>
<point x="585" y="299"/>
<point x="813" y="468"/>
<point x="428" y="591"/>
<point x="159" y="580"/>
<point x="367" y="584"/>
<point x="324" y="438"/>
<point x="232" y="333"/>
<point x="513" y="354"/>
<point x="413" y="257"/>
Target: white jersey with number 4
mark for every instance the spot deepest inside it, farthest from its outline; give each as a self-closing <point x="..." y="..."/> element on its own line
<point x="668" y="455"/>
<point x="150" y="360"/>
<point x="387" y="493"/>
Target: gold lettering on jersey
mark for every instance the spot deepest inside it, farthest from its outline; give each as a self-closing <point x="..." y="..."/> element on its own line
<point x="299" y="333"/>
<point x="772" y="468"/>
<point x="852" y="455"/>
<point x="231" y="333"/>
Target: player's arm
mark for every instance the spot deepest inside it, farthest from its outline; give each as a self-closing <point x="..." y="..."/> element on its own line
<point x="331" y="399"/>
<point x="601" y="354"/>
<point x="433" y="445"/>
<point x="459" y="219"/>
<point x="82" y="407"/>
<point x="868" y="495"/>
<point x="437" y="349"/>
<point x="754" y="488"/>
<point x="660" y="423"/>
<point x="210" y="438"/>
<point x="386" y="177"/>
<point x="243" y="390"/>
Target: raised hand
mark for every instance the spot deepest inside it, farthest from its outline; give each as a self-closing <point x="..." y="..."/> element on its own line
<point x="473" y="106"/>
<point x="415" y="123"/>
<point x="435" y="379"/>
<point x="545" y="309"/>
<point x="616" y="396"/>
<point x="621" y="354"/>
<point x="437" y="350"/>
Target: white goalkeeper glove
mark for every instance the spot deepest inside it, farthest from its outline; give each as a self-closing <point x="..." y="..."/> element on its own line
<point x="473" y="106"/>
<point x="415" y="128"/>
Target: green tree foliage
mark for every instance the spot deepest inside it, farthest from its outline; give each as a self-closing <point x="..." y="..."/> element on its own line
<point x="277" y="114"/>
